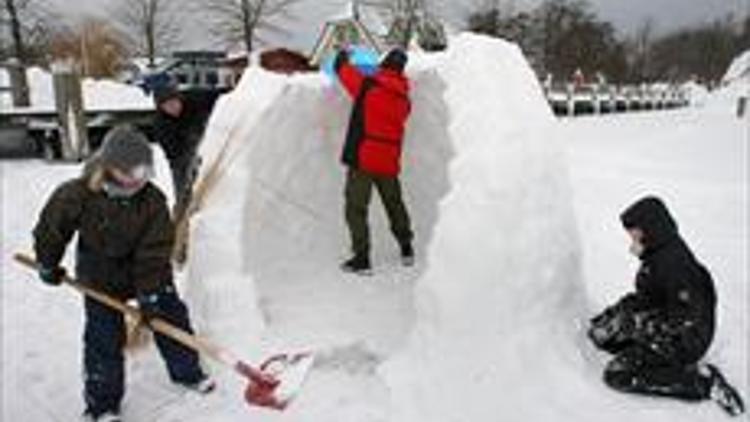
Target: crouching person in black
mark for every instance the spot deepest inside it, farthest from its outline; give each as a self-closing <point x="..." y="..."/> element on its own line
<point x="659" y="333"/>
<point x="125" y="237"/>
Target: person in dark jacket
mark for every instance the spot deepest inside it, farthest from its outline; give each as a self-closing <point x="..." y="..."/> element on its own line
<point x="179" y="125"/>
<point x="372" y="152"/>
<point x="125" y="237"/>
<point x="659" y="333"/>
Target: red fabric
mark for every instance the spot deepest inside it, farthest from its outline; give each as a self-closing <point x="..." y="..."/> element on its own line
<point x="386" y="109"/>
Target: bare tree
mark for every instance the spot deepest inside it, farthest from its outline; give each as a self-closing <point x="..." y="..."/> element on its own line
<point x="247" y="21"/>
<point x="94" y="45"/>
<point x="15" y="28"/>
<point x="402" y="16"/>
<point x="152" y="25"/>
<point x="27" y="22"/>
<point x="642" y="46"/>
<point x="407" y="19"/>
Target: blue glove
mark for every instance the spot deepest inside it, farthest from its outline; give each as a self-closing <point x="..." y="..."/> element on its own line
<point x="52" y="276"/>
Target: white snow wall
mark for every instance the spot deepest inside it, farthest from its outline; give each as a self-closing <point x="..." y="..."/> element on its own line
<point x="274" y="225"/>
<point x="494" y="313"/>
<point x="497" y="332"/>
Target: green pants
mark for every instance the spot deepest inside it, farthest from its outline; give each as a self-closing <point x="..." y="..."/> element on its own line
<point x="358" y="193"/>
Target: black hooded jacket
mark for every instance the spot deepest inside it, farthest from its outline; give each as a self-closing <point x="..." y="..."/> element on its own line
<point x="179" y="136"/>
<point x="672" y="287"/>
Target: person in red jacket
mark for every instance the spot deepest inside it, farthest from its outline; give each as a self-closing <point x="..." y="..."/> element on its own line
<point x="372" y="152"/>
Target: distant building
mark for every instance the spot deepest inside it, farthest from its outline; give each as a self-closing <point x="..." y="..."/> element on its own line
<point x="189" y="70"/>
<point x="201" y="69"/>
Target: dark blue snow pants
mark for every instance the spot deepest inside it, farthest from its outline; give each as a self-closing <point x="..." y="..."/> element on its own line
<point x="104" y="363"/>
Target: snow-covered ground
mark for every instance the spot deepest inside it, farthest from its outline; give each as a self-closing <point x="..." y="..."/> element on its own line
<point x="518" y="237"/>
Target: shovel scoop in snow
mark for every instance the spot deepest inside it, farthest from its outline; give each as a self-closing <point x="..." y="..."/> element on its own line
<point x="277" y="381"/>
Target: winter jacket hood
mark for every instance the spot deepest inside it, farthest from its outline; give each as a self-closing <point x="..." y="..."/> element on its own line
<point x="652" y="217"/>
<point x="180" y="136"/>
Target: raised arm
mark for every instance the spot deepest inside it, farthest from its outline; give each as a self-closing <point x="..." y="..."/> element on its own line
<point x="349" y="76"/>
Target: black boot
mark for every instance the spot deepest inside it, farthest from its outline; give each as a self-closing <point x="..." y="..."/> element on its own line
<point x="724" y="394"/>
<point x="407" y="255"/>
<point x="358" y="264"/>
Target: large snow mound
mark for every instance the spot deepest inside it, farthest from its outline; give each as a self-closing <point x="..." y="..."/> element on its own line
<point x="487" y="188"/>
<point x="497" y="309"/>
<point x="740" y="68"/>
<point x="385" y="344"/>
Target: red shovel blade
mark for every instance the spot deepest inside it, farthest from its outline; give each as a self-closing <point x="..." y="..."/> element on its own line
<point x="277" y="382"/>
<point x="263" y="395"/>
<point x="260" y="388"/>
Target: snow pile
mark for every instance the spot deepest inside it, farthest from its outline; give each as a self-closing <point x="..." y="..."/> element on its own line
<point x="216" y="255"/>
<point x="740" y="68"/>
<point x="98" y="95"/>
<point x="499" y="304"/>
<point x="496" y="237"/>
<point x="697" y="93"/>
<point x="735" y="85"/>
<point x="112" y="95"/>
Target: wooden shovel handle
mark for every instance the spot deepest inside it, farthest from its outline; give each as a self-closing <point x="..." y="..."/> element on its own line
<point x="157" y="324"/>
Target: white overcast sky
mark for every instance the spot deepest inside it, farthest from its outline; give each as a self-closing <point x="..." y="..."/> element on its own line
<point x="626" y="15"/>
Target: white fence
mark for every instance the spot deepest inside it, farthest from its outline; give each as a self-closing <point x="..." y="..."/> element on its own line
<point x="599" y="99"/>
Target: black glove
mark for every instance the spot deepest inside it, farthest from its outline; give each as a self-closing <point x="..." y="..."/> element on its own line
<point x="610" y="330"/>
<point x="53" y="276"/>
<point x="148" y="304"/>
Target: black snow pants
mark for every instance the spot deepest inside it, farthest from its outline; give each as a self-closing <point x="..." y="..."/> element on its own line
<point x="184" y="172"/>
<point x="660" y="360"/>
<point x="104" y="363"/>
<point x="637" y="369"/>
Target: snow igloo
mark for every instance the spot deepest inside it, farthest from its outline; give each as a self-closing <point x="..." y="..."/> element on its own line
<point x="488" y="319"/>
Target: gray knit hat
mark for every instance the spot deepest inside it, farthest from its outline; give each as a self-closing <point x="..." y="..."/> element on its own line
<point x="125" y="148"/>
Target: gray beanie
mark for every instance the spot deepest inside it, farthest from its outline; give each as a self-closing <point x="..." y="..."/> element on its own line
<point x="125" y="148"/>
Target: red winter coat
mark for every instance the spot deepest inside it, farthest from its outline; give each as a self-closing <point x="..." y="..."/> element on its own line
<point x="378" y="120"/>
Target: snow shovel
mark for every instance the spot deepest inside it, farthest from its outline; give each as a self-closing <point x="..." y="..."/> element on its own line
<point x="274" y="384"/>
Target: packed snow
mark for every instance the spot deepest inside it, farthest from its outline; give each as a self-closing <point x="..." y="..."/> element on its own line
<point x="518" y="242"/>
<point x="739" y="69"/>
<point x="697" y="93"/>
